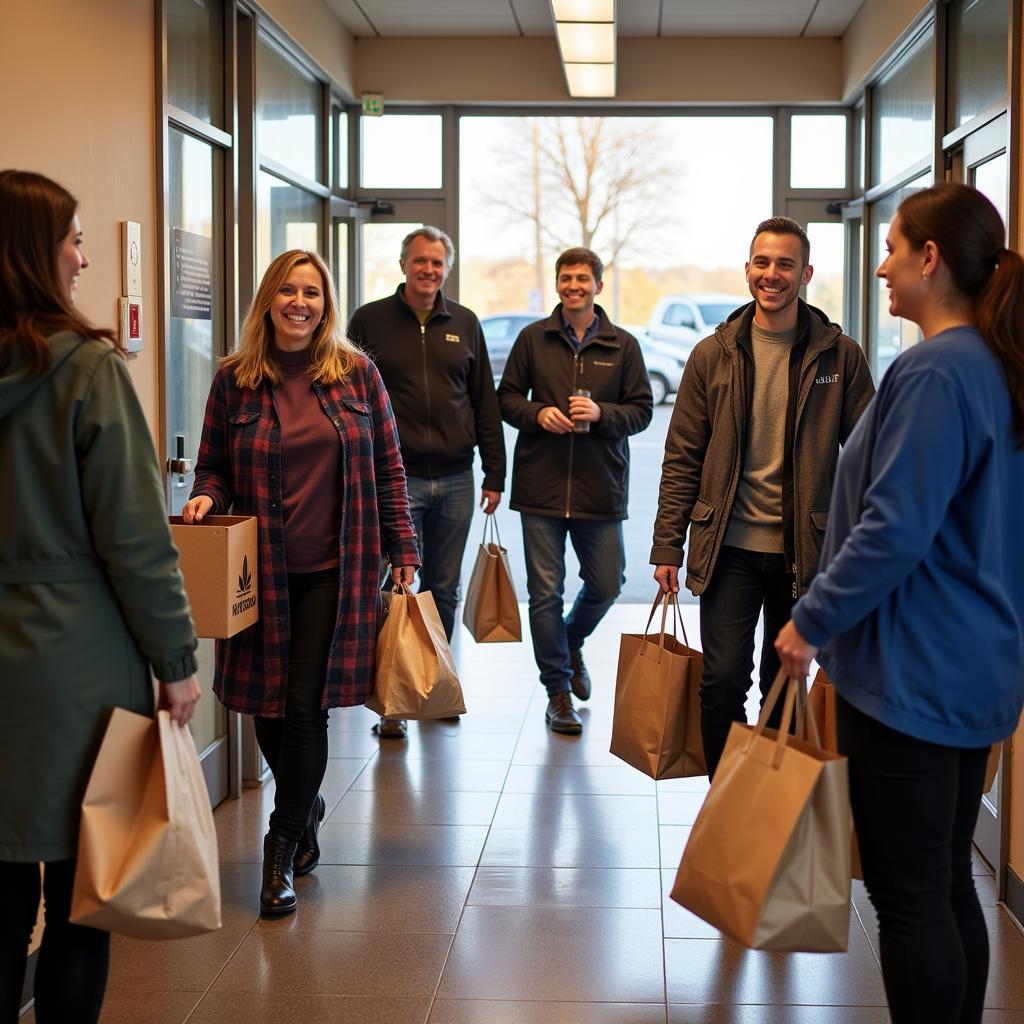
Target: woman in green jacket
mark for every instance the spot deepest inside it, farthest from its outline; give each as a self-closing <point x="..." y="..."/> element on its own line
<point x="90" y="592"/>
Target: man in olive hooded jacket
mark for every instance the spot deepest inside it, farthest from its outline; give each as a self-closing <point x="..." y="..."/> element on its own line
<point x="764" y="405"/>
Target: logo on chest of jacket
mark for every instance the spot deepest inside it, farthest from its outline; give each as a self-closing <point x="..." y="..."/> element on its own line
<point x="452" y="337"/>
<point x="828" y="378"/>
<point x="598" y="362"/>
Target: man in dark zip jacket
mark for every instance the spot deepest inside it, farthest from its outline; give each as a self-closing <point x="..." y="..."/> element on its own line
<point x="575" y="387"/>
<point x="764" y="405"/>
<point x="432" y="357"/>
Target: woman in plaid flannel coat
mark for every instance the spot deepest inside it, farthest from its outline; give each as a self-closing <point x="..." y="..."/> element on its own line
<point x="299" y="433"/>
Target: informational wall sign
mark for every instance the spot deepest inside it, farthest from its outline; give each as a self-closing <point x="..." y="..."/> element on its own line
<point x="191" y="276"/>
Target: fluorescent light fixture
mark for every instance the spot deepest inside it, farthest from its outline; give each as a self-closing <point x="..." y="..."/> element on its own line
<point x="594" y="80"/>
<point x="586" y="42"/>
<point x="583" y="10"/>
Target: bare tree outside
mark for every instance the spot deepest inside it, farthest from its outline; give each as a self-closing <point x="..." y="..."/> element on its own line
<point x="591" y="181"/>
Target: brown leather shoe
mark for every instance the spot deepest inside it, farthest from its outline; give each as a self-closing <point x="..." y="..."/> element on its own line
<point x="561" y="715"/>
<point x="580" y="675"/>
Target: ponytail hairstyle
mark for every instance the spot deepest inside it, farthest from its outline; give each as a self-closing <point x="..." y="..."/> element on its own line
<point x="35" y="217"/>
<point x="969" y="232"/>
<point x="332" y="355"/>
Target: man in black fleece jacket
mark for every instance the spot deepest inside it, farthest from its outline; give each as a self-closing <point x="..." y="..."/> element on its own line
<point x="432" y="357"/>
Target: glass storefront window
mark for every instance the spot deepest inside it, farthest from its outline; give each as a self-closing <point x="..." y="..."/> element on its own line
<point x="288" y="114"/>
<point x="890" y="335"/>
<point x="903" y="114"/>
<point x="286" y="218"/>
<point x="681" y="197"/>
<point x="817" y="151"/>
<point x="978" y="32"/>
<point x="341" y="149"/>
<point x="195" y="42"/>
<point x="402" y="151"/>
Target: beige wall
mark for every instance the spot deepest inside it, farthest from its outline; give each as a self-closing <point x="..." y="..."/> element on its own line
<point x="318" y="31"/>
<point x="876" y="26"/>
<point x="511" y="70"/>
<point x="79" y="91"/>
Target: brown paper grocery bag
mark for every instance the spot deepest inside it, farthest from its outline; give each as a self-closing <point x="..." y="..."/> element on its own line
<point x="768" y="858"/>
<point x="821" y="706"/>
<point x="147" y="849"/>
<point x="656" y="723"/>
<point x="491" y="609"/>
<point x="415" y="675"/>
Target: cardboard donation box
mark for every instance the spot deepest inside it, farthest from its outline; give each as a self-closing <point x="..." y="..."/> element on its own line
<point x="218" y="561"/>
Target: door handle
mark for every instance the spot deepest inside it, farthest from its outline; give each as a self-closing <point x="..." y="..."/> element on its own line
<point x="179" y="464"/>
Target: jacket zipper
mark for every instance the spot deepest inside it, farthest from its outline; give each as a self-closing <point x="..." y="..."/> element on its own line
<point x="426" y="392"/>
<point x="572" y="443"/>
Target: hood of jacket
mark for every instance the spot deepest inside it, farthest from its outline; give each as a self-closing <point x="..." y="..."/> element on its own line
<point x="18" y="382"/>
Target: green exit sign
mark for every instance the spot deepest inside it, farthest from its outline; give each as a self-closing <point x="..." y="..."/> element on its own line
<point x="373" y="104"/>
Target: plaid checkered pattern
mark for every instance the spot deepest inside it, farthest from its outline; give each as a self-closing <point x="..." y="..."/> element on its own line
<point x="239" y="467"/>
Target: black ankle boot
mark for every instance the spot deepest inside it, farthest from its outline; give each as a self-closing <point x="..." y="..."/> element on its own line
<point x="307" y="853"/>
<point x="278" y="893"/>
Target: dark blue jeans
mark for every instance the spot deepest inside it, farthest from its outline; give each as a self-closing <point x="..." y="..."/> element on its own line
<point x="599" y="547"/>
<point x="743" y="582"/>
<point x="441" y="510"/>
<point x="915" y="805"/>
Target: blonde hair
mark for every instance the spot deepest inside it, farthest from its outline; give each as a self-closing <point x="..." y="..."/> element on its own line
<point x="332" y="355"/>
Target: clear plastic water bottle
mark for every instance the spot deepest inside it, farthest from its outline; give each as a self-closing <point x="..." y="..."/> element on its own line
<point x="581" y="426"/>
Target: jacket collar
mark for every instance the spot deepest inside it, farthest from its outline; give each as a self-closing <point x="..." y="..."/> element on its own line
<point x="813" y="327"/>
<point x="606" y="332"/>
<point x="440" y="306"/>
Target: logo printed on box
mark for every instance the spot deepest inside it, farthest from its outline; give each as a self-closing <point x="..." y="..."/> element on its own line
<point x="244" y="590"/>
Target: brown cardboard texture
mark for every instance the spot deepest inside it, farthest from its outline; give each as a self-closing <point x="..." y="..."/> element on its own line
<point x="218" y="561"/>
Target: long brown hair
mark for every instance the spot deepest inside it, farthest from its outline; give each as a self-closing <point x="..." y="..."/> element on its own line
<point x="35" y="217"/>
<point x="970" y="235"/>
<point x="332" y="355"/>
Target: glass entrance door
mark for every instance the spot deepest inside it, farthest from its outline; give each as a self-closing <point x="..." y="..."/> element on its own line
<point x="381" y="238"/>
<point x="827" y="235"/>
<point x="983" y="162"/>
<point x="195" y="337"/>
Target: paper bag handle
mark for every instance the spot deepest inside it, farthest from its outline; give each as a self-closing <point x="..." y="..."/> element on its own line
<point x="795" y="702"/>
<point x="491" y="522"/>
<point x="665" y="599"/>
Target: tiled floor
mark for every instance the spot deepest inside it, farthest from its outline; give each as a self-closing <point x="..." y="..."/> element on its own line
<point x="491" y="872"/>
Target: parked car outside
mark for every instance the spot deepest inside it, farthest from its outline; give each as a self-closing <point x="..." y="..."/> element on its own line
<point x="664" y="366"/>
<point x="678" y="322"/>
<point x="500" y="333"/>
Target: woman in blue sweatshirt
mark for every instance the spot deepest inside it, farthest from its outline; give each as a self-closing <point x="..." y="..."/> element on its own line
<point x="918" y="611"/>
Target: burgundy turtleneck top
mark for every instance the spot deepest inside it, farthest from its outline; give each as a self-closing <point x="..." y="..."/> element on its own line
<point x="311" y="469"/>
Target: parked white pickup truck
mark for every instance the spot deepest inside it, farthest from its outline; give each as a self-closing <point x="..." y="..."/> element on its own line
<point x="680" y="321"/>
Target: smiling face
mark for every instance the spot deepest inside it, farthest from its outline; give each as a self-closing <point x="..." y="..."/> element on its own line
<point x="577" y="288"/>
<point x="425" y="268"/>
<point x="902" y="271"/>
<point x="775" y="273"/>
<point x="297" y="308"/>
<point x="71" y="260"/>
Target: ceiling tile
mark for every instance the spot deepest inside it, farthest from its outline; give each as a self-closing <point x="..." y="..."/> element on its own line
<point x="351" y="17"/>
<point x="534" y="17"/>
<point x="735" y="17"/>
<point x="638" y="17"/>
<point x="450" y="18"/>
<point x="833" y="17"/>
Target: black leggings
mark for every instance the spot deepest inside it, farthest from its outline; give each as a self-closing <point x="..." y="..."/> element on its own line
<point x="915" y="805"/>
<point x="296" y="746"/>
<point x="71" y="972"/>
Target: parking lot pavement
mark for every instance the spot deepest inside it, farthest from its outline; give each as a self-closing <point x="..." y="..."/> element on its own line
<point x="646" y="451"/>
